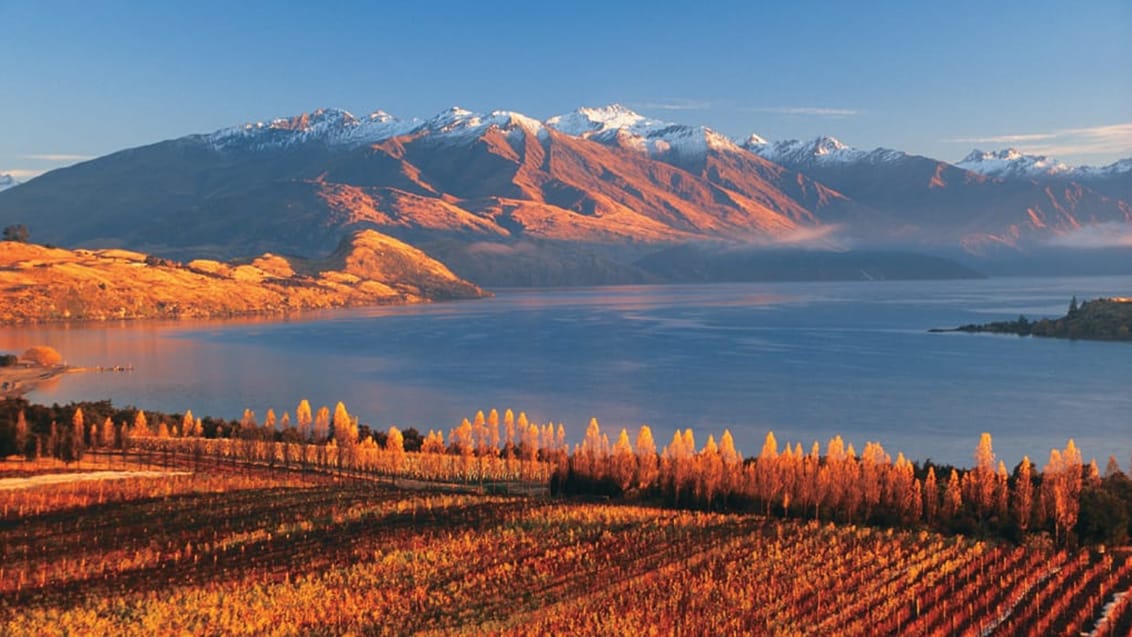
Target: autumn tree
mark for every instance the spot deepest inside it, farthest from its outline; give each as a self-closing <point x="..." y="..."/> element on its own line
<point x="461" y="439"/>
<point x="529" y="445"/>
<point x="1061" y="488"/>
<point x="141" y="426"/>
<point x="647" y="459"/>
<point x="22" y="437"/>
<point x="589" y="459"/>
<point x="767" y="483"/>
<point x="322" y="424"/>
<point x="304" y="420"/>
<point x="979" y="485"/>
<point x="493" y="430"/>
<point x="1022" y="505"/>
<point x="106" y="433"/>
<point x="509" y="443"/>
<point x="623" y="464"/>
<point x="931" y="496"/>
<point x="709" y="474"/>
<point x="952" y="496"/>
<point x="732" y="463"/>
<point x="433" y="443"/>
<point x="395" y="447"/>
<point x="42" y="355"/>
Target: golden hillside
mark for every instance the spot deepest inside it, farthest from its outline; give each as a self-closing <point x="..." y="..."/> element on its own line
<point x="38" y="283"/>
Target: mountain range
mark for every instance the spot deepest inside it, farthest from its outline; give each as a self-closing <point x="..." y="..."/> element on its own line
<point x="581" y="198"/>
<point x="8" y="181"/>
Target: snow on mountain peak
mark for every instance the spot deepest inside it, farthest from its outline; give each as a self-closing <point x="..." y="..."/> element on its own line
<point x="618" y="125"/>
<point x="753" y="141"/>
<point x="329" y="125"/>
<point x="587" y="120"/>
<point x="8" y="181"/>
<point x="820" y="150"/>
<point x="828" y="145"/>
<point x="1011" y="162"/>
<point x="457" y="120"/>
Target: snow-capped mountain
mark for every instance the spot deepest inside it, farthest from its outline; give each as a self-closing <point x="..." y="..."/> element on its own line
<point x="336" y="127"/>
<point x="616" y="125"/>
<point x="820" y="151"/>
<point x="331" y="126"/>
<point x="471" y="186"/>
<point x="7" y="181"/>
<point x="1010" y="163"/>
<point x="459" y="121"/>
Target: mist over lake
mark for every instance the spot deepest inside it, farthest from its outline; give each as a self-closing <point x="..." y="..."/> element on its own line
<point x="806" y="360"/>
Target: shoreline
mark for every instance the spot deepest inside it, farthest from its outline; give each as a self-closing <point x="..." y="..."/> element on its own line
<point x="16" y="381"/>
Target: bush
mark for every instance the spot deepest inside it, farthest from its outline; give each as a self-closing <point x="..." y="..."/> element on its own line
<point x="42" y="355"/>
<point x="8" y="360"/>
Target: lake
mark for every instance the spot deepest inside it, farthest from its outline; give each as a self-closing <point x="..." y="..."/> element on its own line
<point x="806" y="360"/>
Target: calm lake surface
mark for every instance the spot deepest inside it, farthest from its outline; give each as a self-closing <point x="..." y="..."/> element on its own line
<point x="806" y="360"/>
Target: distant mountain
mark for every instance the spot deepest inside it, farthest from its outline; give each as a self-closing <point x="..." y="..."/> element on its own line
<point x="1113" y="181"/>
<point x="459" y="179"/>
<point x="1011" y="163"/>
<point x="8" y="181"/>
<point x="506" y="199"/>
<point x="924" y="201"/>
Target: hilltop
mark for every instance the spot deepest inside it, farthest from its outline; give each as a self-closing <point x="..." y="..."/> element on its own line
<point x="39" y="283"/>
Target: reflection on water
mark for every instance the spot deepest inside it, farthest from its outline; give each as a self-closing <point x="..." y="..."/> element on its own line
<point x="807" y="360"/>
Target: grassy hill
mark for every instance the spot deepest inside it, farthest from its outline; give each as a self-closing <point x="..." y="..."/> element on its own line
<point x="39" y="283"/>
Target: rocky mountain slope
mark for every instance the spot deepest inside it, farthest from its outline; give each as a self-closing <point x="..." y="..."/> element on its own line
<point x="507" y="199"/>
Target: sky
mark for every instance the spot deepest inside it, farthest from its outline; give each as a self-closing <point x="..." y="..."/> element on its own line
<point x="84" y="79"/>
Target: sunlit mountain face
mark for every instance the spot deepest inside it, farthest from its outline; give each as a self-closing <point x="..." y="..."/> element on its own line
<point x="592" y="190"/>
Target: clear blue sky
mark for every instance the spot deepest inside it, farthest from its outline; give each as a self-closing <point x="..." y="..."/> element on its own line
<point x="84" y="79"/>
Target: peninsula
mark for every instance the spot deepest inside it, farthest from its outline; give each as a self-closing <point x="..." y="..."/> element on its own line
<point x="1105" y="319"/>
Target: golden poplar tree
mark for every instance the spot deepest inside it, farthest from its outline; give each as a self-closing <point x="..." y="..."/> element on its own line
<point x="304" y="419"/>
<point x="647" y="460"/>
<point x="623" y="465"/>
<point x="952" y="496"/>
<point x="1023" y="496"/>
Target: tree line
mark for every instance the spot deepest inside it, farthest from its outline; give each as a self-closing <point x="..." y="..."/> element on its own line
<point x="1066" y="500"/>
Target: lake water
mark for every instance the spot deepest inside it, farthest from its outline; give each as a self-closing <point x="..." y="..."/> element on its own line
<point x="806" y="360"/>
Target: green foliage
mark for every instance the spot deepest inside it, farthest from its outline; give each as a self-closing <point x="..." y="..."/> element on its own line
<point x="1106" y="512"/>
<point x="1100" y="319"/>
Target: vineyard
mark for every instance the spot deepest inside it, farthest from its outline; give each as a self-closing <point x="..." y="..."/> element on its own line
<point x="252" y="549"/>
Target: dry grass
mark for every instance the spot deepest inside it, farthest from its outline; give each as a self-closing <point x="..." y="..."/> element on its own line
<point x="45" y="284"/>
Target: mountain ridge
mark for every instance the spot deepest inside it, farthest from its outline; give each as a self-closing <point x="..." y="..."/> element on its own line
<point x="596" y="187"/>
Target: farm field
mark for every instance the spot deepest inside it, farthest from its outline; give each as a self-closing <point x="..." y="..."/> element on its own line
<point x="253" y="550"/>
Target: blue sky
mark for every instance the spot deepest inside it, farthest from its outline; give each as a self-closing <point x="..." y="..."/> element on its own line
<point x="82" y="79"/>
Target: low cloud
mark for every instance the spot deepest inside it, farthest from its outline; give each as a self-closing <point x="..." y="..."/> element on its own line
<point x="57" y="157"/>
<point x="500" y="249"/>
<point x="1101" y="235"/>
<point x="675" y="104"/>
<point x="1065" y="142"/>
<point x="816" y="238"/>
<point x="811" y="111"/>
<point x="21" y="174"/>
<point x="1002" y="139"/>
